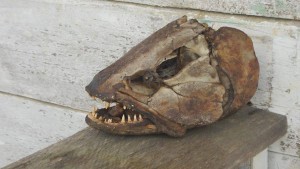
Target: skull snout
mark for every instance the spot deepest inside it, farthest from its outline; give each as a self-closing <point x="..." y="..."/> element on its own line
<point x="91" y="89"/>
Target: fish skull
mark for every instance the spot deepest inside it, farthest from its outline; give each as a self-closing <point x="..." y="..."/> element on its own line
<point x="182" y="76"/>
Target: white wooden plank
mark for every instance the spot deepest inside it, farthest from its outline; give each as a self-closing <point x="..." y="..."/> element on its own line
<point x="260" y="161"/>
<point x="281" y="161"/>
<point x="270" y="8"/>
<point x="51" y="50"/>
<point x="28" y="126"/>
<point x="290" y="143"/>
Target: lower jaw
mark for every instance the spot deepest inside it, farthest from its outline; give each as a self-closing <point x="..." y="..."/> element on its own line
<point x="145" y="127"/>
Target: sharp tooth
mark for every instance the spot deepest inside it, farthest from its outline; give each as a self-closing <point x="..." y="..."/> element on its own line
<point x="124" y="107"/>
<point x="100" y="118"/>
<point x="99" y="100"/>
<point x="134" y="118"/>
<point x="123" y="119"/>
<point x="140" y="118"/>
<point x="105" y="120"/>
<point x="94" y="111"/>
<point x="107" y="105"/>
<point x="129" y="119"/>
<point x="109" y="120"/>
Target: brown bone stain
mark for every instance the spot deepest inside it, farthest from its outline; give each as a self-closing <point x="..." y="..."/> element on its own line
<point x="196" y="75"/>
<point x="239" y="62"/>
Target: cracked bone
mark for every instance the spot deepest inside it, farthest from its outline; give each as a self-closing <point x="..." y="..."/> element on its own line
<point x="182" y="76"/>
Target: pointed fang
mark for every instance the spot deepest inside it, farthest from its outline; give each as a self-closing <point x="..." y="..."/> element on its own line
<point x="134" y="118"/>
<point x="107" y="105"/>
<point x="140" y="118"/>
<point x="123" y="119"/>
<point x="129" y="119"/>
<point x="94" y="112"/>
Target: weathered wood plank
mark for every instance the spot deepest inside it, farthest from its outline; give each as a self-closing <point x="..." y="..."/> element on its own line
<point x="268" y="8"/>
<point x="28" y="126"/>
<point x="225" y="144"/>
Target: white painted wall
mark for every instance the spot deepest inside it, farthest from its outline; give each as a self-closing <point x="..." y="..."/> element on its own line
<point x="28" y="126"/>
<point x="271" y="8"/>
<point x="49" y="51"/>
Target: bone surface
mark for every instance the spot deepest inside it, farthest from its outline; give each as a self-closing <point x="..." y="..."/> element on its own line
<point x="183" y="76"/>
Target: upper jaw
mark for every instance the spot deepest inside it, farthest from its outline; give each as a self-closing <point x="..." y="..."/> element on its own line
<point x="121" y="118"/>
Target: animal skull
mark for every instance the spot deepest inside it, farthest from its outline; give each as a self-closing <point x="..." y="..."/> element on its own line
<point x="182" y="76"/>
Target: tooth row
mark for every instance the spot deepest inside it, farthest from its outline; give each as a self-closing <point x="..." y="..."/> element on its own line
<point x="135" y="119"/>
<point x="101" y="118"/>
<point x="108" y="120"/>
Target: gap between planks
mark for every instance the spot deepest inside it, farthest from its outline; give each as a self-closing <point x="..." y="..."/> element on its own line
<point x="208" y="12"/>
<point x="285" y="154"/>
<point x="285" y="21"/>
<point x="43" y="102"/>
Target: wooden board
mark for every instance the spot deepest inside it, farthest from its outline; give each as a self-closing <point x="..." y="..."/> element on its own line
<point x="225" y="144"/>
<point x="269" y="8"/>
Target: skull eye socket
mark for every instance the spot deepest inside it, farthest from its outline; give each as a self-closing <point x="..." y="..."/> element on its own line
<point x="186" y="56"/>
<point x="147" y="82"/>
<point x="168" y="68"/>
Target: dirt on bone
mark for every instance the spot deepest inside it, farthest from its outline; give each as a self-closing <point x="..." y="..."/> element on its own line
<point x="193" y="64"/>
<point x="116" y="110"/>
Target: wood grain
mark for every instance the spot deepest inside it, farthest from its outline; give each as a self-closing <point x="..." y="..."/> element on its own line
<point x="268" y="8"/>
<point x="225" y="144"/>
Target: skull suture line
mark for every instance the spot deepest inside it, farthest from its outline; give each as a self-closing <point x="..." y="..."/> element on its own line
<point x="182" y="76"/>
